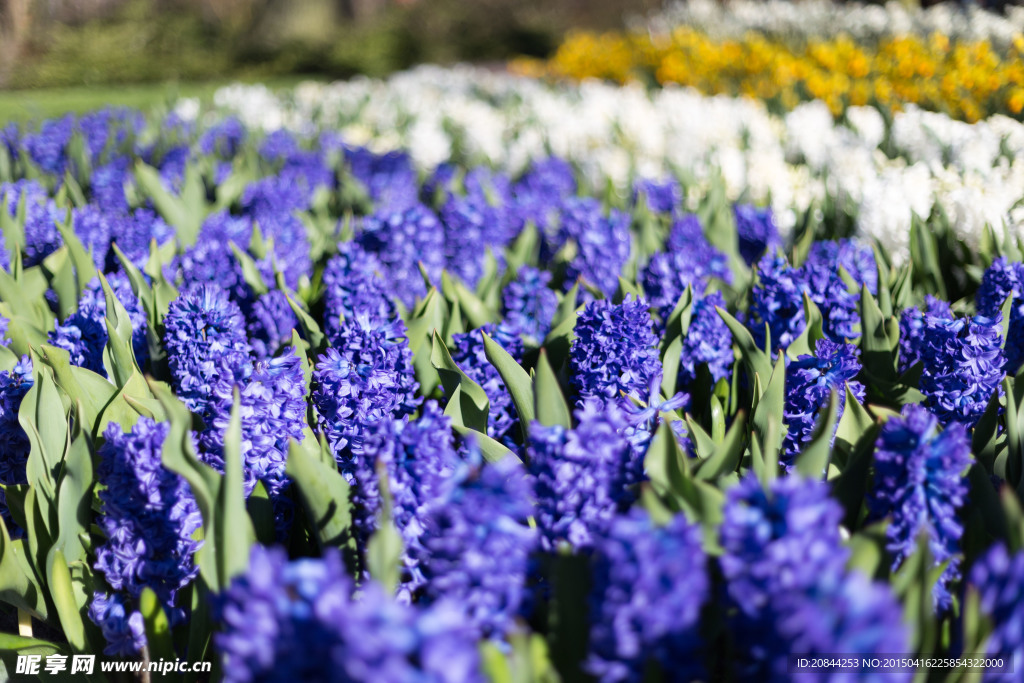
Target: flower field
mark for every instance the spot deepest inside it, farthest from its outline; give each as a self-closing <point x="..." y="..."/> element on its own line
<point x="469" y="376"/>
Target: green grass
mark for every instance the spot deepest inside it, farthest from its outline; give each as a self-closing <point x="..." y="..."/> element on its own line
<point x="31" y="105"/>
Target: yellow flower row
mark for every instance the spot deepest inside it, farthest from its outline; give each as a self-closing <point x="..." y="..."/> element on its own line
<point x="966" y="80"/>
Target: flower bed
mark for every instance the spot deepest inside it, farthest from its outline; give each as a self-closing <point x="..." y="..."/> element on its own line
<point x="460" y="376"/>
<point x="768" y="55"/>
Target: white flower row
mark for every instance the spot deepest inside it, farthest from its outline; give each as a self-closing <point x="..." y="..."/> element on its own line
<point x="806" y="19"/>
<point x="884" y="175"/>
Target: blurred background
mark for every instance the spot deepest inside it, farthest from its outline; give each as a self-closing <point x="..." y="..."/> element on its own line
<point x="60" y="43"/>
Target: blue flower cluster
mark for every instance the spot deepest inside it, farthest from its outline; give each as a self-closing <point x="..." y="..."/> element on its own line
<point x="756" y="232"/>
<point x="615" y="351"/>
<point x="810" y="381"/>
<point x="476" y="545"/>
<point x="601" y="242"/>
<point x="999" y="578"/>
<point x="583" y="476"/>
<point x="689" y="260"/>
<point x="963" y="365"/>
<point x="404" y="240"/>
<point x="300" y="620"/>
<point x="529" y="305"/>
<point x="364" y="379"/>
<point x="659" y="196"/>
<point x="1005" y="280"/>
<point x="649" y="584"/>
<point x="784" y="567"/>
<point x="708" y="342"/>
<point x="920" y="486"/>
<point x="912" y="329"/>
<point x="14" y="443"/>
<point x="148" y="516"/>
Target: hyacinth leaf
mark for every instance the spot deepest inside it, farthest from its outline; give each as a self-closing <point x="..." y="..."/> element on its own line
<point x="768" y="410"/>
<point x="24" y="334"/>
<point x="8" y="359"/>
<point x="80" y="258"/>
<point x="853" y="423"/>
<point x="158" y="629"/>
<point x="454" y="325"/>
<point x="804" y="344"/>
<point x="726" y="455"/>
<point x="429" y="315"/>
<point x="813" y="459"/>
<point x="261" y="512"/>
<point x="867" y="549"/>
<point x="119" y="410"/>
<point x="60" y="273"/>
<point x="118" y="354"/>
<point x="68" y="610"/>
<point x="18" y="583"/>
<point x="12" y="646"/>
<point x="1014" y="473"/>
<point x="678" y="323"/>
<point x="476" y="311"/>
<point x="516" y="380"/>
<point x="24" y="299"/>
<point x="924" y="252"/>
<point x="757" y="361"/>
<point x="163" y="291"/>
<point x="44" y="420"/>
<point x="559" y="340"/>
<point x="524" y="250"/>
<point x="467" y="404"/>
<point x="704" y="445"/>
<point x="492" y="450"/>
<point x="173" y="209"/>
<point x="310" y="329"/>
<point x="74" y="495"/>
<point x="550" y="408"/>
<point x="231" y="525"/>
<point x="667" y="466"/>
<point x="301" y="349"/>
<point x="82" y="386"/>
<point x="325" y="496"/>
<point x="983" y="515"/>
<point x="1014" y="515"/>
<point x="670" y="362"/>
<point x="627" y="288"/>
<point x="12" y="227"/>
<point x="914" y="584"/>
<point x="200" y="627"/>
<point x="566" y="306"/>
<point x="250" y="273"/>
<point x="384" y="554"/>
<point x="850" y="487"/>
<point x="570" y="629"/>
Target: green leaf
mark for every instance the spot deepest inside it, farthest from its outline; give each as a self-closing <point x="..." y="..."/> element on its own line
<point x="325" y="496"/>
<point x="68" y="611"/>
<point x="850" y="487"/>
<point x="569" y="623"/>
<point x="566" y="308"/>
<point x="85" y="267"/>
<point x="19" y="585"/>
<point x="813" y="459"/>
<point x="174" y="210"/>
<point x="757" y="361"/>
<point x="119" y="353"/>
<point x="467" y="403"/>
<point x="806" y="342"/>
<point x="74" y="496"/>
<point x="516" y="380"/>
<point x="726" y="456"/>
<point x="493" y="451"/>
<point x="384" y="555"/>
<point x="250" y="273"/>
<point x="768" y="413"/>
<point x="310" y="329"/>
<point x="853" y="423"/>
<point x="232" y="527"/>
<point x="158" y="629"/>
<point x="82" y="386"/>
<point x="475" y="310"/>
<point x="43" y="418"/>
<point x="551" y="407"/>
